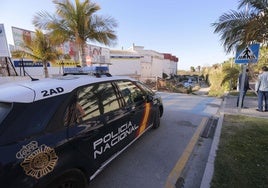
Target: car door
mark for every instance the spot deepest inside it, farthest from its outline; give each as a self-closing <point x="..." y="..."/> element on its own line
<point x="30" y="148"/>
<point x="97" y="125"/>
<point x="139" y="109"/>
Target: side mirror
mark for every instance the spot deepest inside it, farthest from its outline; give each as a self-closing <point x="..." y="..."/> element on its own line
<point x="149" y="98"/>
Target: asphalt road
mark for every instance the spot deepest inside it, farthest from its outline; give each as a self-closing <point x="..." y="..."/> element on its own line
<point x="151" y="159"/>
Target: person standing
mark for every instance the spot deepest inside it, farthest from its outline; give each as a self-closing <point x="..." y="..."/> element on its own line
<point x="262" y="89"/>
<point x="245" y="89"/>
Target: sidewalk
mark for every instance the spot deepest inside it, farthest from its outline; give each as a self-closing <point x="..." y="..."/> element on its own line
<point x="228" y="107"/>
<point x="250" y="104"/>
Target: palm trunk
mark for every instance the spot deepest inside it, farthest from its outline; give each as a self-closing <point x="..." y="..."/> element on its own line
<point x="45" y="69"/>
<point x="83" y="55"/>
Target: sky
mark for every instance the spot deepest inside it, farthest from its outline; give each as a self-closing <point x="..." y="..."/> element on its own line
<point x="180" y="27"/>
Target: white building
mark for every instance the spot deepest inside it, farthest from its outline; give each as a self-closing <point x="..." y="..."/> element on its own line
<point x="125" y="62"/>
<point x="136" y="62"/>
<point x="142" y="64"/>
<point x="171" y="64"/>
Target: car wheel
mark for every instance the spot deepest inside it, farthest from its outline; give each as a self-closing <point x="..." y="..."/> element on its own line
<point x="70" y="179"/>
<point x="157" y="120"/>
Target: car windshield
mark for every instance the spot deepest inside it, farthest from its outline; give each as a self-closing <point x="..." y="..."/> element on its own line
<point x="22" y="120"/>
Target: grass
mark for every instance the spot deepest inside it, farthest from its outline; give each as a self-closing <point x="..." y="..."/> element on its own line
<point x="242" y="156"/>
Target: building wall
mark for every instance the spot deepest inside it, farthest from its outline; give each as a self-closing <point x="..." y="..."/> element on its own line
<point x="135" y="62"/>
<point x="146" y="64"/>
<point x="125" y="66"/>
<point x="170" y="67"/>
<point x="152" y="63"/>
<point x="160" y="62"/>
<point x="171" y="64"/>
<point x="125" y="62"/>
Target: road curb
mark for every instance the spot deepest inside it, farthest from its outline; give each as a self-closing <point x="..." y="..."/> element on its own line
<point x="181" y="163"/>
<point x="209" y="170"/>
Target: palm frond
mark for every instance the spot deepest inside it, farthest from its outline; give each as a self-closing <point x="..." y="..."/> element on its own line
<point x="77" y="21"/>
<point x="244" y="27"/>
<point x="230" y="74"/>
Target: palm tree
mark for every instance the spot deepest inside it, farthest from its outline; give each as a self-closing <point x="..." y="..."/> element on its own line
<point x="40" y="48"/>
<point x="230" y="74"/>
<point x="79" y="23"/>
<point x="192" y="69"/>
<point x="244" y="27"/>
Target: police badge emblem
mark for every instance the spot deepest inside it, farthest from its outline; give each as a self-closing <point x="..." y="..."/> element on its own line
<point x="38" y="161"/>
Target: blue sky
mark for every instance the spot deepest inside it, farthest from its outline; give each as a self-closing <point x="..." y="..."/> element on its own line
<point x="182" y="28"/>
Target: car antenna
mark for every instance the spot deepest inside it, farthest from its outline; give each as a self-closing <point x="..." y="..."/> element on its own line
<point x="33" y="79"/>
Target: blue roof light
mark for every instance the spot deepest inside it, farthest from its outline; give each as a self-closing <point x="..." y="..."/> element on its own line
<point x="86" y="70"/>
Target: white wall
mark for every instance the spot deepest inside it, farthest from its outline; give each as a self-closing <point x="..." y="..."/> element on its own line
<point x="125" y="62"/>
<point x="125" y="66"/>
<point x="170" y="67"/>
<point x="152" y="64"/>
<point x="158" y="64"/>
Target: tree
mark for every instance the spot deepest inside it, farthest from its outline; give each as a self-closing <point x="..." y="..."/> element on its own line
<point x="192" y="69"/>
<point x="244" y="27"/>
<point x="198" y="68"/>
<point x="230" y="74"/>
<point x="40" y="48"/>
<point x="263" y="58"/>
<point x="79" y="23"/>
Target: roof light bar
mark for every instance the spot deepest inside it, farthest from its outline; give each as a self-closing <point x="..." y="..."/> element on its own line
<point x="86" y="70"/>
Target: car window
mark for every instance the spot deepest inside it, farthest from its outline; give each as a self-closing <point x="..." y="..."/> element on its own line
<point x="92" y="101"/>
<point x="27" y="119"/>
<point x="145" y="88"/>
<point x="131" y="92"/>
<point x="4" y="109"/>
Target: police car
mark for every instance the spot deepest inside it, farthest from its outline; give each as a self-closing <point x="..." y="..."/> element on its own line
<point x="61" y="132"/>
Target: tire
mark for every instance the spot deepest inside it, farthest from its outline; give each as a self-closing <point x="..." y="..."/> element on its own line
<point x="157" y="120"/>
<point x="70" y="179"/>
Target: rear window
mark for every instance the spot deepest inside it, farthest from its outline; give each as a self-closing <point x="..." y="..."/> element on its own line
<point x="92" y="101"/>
<point x="23" y="120"/>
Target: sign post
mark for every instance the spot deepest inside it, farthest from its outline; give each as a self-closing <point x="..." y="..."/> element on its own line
<point x="241" y="89"/>
<point x="247" y="55"/>
<point x="4" y="52"/>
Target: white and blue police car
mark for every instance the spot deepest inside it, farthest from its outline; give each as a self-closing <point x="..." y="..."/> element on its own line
<point x="60" y="132"/>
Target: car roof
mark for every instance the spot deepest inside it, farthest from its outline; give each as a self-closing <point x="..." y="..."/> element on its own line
<point x="30" y="91"/>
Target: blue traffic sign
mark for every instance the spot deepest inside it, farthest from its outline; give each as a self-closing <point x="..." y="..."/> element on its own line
<point x="248" y="55"/>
